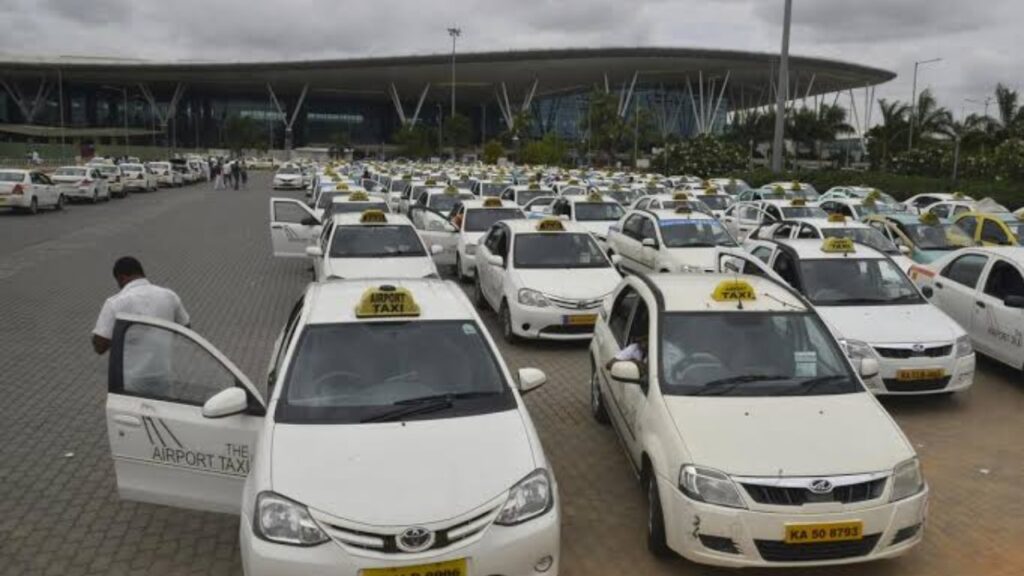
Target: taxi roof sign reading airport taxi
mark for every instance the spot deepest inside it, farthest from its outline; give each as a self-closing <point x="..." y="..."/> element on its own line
<point x="798" y="202"/>
<point x="550" y="225"/>
<point x="733" y="291"/>
<point x="595" y="197"/>
<point x="373" y="217"/>
<point x="359" y="196"/>
<point x="680" y="196"/>
<point x="836" y="217"/>
<point x="492" y="202"/>
<point x="387" y="302"/>
<point x="838" y="246"/>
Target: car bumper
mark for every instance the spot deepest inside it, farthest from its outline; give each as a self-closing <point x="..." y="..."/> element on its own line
<point x="13" y="201"/>
<point x="958" y="375"/>
<point x="135" y="185"/>
<point x="506" y="550"/>
<point x="165" y="180"/>
<point x="77" y="192"/>
<point x="286" y="185"/>
<point x="758" y="537"/>
<point x="550" y="323"/>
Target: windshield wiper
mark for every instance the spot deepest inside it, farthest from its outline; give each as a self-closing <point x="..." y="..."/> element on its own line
<point x="405" y="410"/>
<point x="449" y="396"/>
<point x="725" y="385"/>
<point x="810" y="384"/>
<point x="855" y="301"/>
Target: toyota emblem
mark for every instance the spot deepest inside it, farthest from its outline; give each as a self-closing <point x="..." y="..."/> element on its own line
<point x="415" y="539"/>
<point x="820" y="486"/>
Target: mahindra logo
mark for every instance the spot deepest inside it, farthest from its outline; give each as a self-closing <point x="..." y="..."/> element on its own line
<point x="918" y="348"/>
<point x="415" y="539"/>
<point x="820" y="486"/>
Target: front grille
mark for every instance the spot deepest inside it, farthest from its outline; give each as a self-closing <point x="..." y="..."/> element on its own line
<point x="894" y="385"/>
<point x="904" y="353"/>
<point x="387" y="543"/>
<point x="571" y="304"/>
<point x="904" y="534"/>
<point x="784" y="496"/>
<point x="778" y="551"/>
<point x="719" y="544"/>
<point x="570" y="330"/>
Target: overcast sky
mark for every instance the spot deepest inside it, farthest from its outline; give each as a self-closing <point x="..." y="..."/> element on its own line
<point x="979" y="40"/>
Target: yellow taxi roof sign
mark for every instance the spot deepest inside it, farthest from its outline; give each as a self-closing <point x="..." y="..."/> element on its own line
<point x="342" y="187"/>
<point x="387" y="302"/>
<point x="595" y="196"/>
<point x="711" y="191"/>
<point x="451" y="191"/>
<point x="734" y="291"/>
<point x="798" y="202"/>
<point x="492" y="202"/>
<point x="836" y="217"/>
<point x="929" y="219"/>
<point x="373" y="217"/>
<point x="680" y="196"/>
<point x="430" y="182"/>
<point x="574" y="182"/>
<point x="359" y="196"/>
<point x="534" y="186"/>
<point x="838" y="246"/>
<point x="550" y="225"/>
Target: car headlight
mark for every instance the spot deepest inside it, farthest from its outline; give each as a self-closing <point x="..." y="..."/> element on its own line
<point x="907" y="479"/>
<point x="470" y="249"/>
<point x="963" y="346"/>
<point x="711" y="486"/>
<point x="285" y="521"/>
<point x="533" y="298"/>
<point x="857" y="350"/>
<point x="528" y="499"/>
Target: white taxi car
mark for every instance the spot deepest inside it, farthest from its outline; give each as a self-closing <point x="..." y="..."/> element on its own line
<point x="137" y="178"/>
<point x="368" y="382"/>
<point x="81" y="183"/>
<point x="356" y="202"/>
<point x="878" y="312"/>
<point x="545" y="279"/>
<point x="521" y="194"/>
<point x="982" y="288"/>
<point x="835" y="226"/>
<point x="744" y="217"/>
<point x="472" y="219"/>
<point x="28" y="190"/>
<point x="373" y="244"/>
<point x="289" y="177"/>
<point x="660" y="241"/>
<point x="755" y="440"/>
<point x="593" y="212"/>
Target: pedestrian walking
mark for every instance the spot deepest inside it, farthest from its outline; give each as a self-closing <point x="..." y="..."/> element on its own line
<point x="218" y="176"/>
<point x="245" y="176"/>
<point x="136" y="296"/>
<point x="236" y="173"/>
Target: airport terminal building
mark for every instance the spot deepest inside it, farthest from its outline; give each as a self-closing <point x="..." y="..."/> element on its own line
<point x="308" y="103"/>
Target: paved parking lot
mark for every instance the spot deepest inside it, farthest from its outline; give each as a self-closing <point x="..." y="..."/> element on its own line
<point x="59" y="511"/>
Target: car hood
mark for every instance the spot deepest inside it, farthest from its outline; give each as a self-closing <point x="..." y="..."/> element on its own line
<point x="401" y="473"/>
<point x="576" y="283"/>
<point x="789" y="436"/>
<point x="64" y="179"/>
<point x="918" y="323"/>
<point x="600" y="227"/>
<point x="703" y="258"/>
<point x="355" y="268"/>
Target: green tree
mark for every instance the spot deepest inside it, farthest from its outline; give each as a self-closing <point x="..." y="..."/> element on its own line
<point x="550" y="151"/>
<point x="242" y="133"/>
<point x="889" y="136"/>
<point x="608" y="131"/>
<point x="340" y="141"/>
<point x="493" y="150"/>
<point x="416" y="142"/>
<point x="930" y="119"/>
<point x="1010" y="123"/>
<point x="458" y="132"/>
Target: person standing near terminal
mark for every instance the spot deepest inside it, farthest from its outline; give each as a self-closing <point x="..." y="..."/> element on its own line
<point x="245" y="176"/>
<point x="137" y="296"/>
<point x="218" y="176"/>
<point x="236" y="172"/>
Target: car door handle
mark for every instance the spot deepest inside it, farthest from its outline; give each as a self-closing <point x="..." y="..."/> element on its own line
<point x="277" y="226"/>
<point x="127" y="420"/>
<point x="979" y="304"/>
<point x="938" y="285"/>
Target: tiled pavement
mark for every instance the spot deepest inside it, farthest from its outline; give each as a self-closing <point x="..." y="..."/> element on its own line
<point x="59" y="511"/>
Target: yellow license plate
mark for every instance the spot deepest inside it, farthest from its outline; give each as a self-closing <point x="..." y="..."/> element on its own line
<point x="449" y="568"/>
<point x="581" y="320"/>
<point x="912" y="374"/>
<point x="829" y="532"/>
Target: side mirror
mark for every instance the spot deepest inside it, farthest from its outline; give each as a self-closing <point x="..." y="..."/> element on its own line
<point x="1014" y="302"/>
<point x="436" y="249"/>
<point x="928" y="291"/>
<point x="868" y="368"/>
<point x="649" y="243"/>
<point x="495" y="260"/>
<point x="226" y="403"/>
<point x="905" y="250"/>
<point x="314" y="251"/>
<point x="309" y="221"/>
<point x="530" y="379"/>
<point x="626" y="371"/>
<point x="616" y="260"/>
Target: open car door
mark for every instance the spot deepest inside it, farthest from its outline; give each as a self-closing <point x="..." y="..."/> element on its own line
<point x="435" y="230"/>
<point x="181" y="418"/>
<point x="293" y="226"/>
<point x="739" y="261"/>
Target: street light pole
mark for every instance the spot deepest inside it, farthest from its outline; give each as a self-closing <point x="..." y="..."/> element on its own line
<point x="913" y="100"/>
<point x="127" y="146"/>
<point x="782" y="92"/>
<point x="454" y="33"/>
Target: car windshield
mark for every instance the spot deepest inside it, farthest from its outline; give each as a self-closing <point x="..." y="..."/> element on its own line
<point x="376" y="242"/>
<point x="790" y="212"/>
<point x="353" y="207"/>
<point x="11" y="176"/>
<point x="398" y="185"/>
<point x="693" y="205"/>
<point x="573" y="191"/>
<point x="481" y="219"/>
<point x="856" y="282"/>
<point x="598" y="211"/>
<point x="347" y="373"/>
<point x="695" y="233"/>
<point x="525" y="196"/>
<point x="289" y="171"/>
<point x="867" y="236"/>
<point x="751" y="354"/>
<point x="70" y="172"/>
<point x="937" y="237"/>
<point x="876" y="208"/>
<point x="558" y="250"/>
<point x="443" y="202"/>
<point x="716" y="202"/>
<point x="492" y="188"/>
<point x="131" y="168"/>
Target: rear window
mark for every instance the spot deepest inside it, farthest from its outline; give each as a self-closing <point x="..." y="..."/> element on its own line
<point x="70" y="172"/>
<point x="11" y="176"/>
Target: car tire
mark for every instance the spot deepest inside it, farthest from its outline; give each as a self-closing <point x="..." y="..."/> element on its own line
<point x="597" y="405"/>
<point x="33" y="206"/>
<point x="60" y="202"/>
<point x="656" y="540"/>
<point x="478" y="294"/>
<point x="505" y="317"/>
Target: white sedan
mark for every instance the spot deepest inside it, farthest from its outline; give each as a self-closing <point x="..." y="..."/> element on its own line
<point x="28" y="191"/>
<point x="982" y="288"/>
<point x="392" y="438"/>
<point x="81" y="182"/>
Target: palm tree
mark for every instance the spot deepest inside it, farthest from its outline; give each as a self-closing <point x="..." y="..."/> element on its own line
<point x="930" y="119"/>
<point x="891" y="132"/>
<point x="1010" y="123"/>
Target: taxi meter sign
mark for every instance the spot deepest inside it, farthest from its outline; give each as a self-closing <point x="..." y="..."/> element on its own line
<point x="492" y="202"/>
<point x="550" y="225"/>
<point x="595" y="197"/>
<point x="838" y="246"/>
<point x="387" y="302"/>
<point x="680" y="196"/>
<point x="734" y="291"/>
<point x="373" y="217"/>
<point x="836" y="217"/>
<point x="359" y="197"/>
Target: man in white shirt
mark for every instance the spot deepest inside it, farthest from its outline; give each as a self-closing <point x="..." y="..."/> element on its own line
<point x="137" y="296"/>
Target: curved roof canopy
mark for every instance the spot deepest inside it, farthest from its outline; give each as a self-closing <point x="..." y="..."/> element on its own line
<point x="478" y="75"/>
